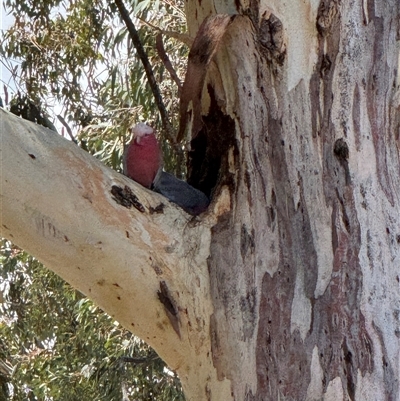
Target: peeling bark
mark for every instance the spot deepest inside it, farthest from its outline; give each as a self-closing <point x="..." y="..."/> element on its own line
<point x="290" y="268"/>
<point x="288" y="287"/>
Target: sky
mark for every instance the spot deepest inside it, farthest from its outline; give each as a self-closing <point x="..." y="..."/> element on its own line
<point x="5" y="22"/>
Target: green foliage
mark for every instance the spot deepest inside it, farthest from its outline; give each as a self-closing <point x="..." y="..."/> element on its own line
<point x="60" y="346"/>
<point x="74" y="58"/>
<point x="56" y="50"/>
<point x="77" y="54"/>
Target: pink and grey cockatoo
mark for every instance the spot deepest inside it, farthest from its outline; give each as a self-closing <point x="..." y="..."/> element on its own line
<point x="143" y="158"/>
<point x="143" y="163"/>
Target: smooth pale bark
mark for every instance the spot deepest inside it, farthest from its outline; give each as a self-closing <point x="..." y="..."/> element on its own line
<point x="289" y="286"/>
<point x="56" y="203"/>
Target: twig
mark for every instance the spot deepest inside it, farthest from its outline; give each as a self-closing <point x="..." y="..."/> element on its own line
<point x="5" y="94"/>
<point x="65" y="124"/>
<point x="137" y="361"/>
<point x="147" y="67"/>
<point x="167" y="63"/>
<point x="182" y="37"/>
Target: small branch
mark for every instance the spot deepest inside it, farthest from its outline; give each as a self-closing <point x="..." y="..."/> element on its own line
<point x="182" y="37"/>
<point x="139" y="361"/>
<point x="6" y="100"/>
<point x="167" y="63"/>
<point x="67" y="127"/>
<point x="147" y="66"/>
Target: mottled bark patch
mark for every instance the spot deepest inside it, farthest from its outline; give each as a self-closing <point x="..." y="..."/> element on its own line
<point x="248" y="310"/>
<point x="271" y="38"/>
<point x="338" y="326"/>
<point x="283" y="362"/>
<point x="216" y="348"/>
<point x="246" y="241"/>
<point x="328" y="16"/>
<point x="125" y="197"/>
<point x="170" y="307"/>
<point x="234" y="296"/>
<point x="378" y="87"/>
<point x="158" y="209"/>
<point x="341" y="151"/>
<point x="390" y="378"/>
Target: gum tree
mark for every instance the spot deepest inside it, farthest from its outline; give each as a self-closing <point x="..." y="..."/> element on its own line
<point x="288" y="286"/>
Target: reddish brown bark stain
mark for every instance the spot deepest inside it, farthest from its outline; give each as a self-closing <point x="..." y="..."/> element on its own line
<point x="283" y="362"/>
<point x="337" y="324"/>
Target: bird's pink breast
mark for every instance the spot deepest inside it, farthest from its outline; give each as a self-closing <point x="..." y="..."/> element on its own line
<point x="143" y="160"/>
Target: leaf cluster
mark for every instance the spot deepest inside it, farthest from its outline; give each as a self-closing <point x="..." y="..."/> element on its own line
<point x="55" y="47"/>
<point x="56" y="344"/>
<point x="75" y="59"/>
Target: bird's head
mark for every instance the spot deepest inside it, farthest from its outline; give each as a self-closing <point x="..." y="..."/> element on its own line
<point x="141" y="130"/>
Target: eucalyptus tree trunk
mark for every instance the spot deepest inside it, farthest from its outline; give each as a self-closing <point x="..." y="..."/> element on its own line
<point x="305" y="265"/>
<point x="288" y="287"/>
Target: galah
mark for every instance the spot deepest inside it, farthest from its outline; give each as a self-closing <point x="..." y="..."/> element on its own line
<point x="190" y="199"/>
<point x="143" y="158"/>
<point x="143" y="163"/>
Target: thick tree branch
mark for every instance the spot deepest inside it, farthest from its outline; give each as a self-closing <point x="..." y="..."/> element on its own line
<point x="63" y="206"/>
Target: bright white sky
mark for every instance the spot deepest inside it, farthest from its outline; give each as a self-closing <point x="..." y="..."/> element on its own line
<point x="5" y="22"/>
